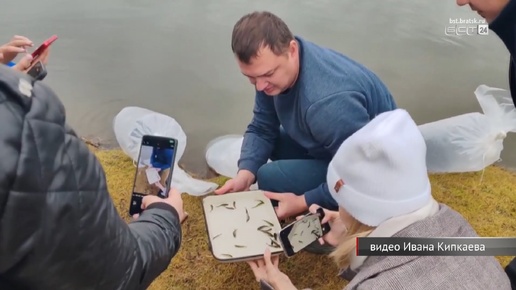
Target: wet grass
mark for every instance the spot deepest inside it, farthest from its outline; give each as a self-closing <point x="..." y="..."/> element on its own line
<point x="490" y="206"/>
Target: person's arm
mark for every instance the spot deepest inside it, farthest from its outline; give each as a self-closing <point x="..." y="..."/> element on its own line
<point x="332" y="120"/>
<point x="158" y="236"/>
<point x="260" y="136"/>
<point x="56" y="214"/>
<point x="117" y="255"/>
<point x="505" y="26"/>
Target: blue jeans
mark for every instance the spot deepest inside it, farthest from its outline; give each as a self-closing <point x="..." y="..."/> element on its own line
<point x="292" y="170"/>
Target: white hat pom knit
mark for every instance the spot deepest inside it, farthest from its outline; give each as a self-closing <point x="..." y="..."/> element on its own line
<point x="380" y="171"/>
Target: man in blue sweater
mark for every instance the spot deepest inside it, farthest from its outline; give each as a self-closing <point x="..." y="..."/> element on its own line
<point x="501" y="16"/>
<point x="309" y="99"/>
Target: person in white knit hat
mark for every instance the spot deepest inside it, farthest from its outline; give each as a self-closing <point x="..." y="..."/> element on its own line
<point x="379" y="179"/>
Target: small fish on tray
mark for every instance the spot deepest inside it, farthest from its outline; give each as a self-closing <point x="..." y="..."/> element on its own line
<point x="241" y="225"/>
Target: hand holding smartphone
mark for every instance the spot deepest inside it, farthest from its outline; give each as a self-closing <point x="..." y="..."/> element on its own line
<point x="43" y="47"/>
<point x="37" y="69"/>
<point x="301" y="233"/>
<point x="173" y="199"/>
<point x="154" y="170"/>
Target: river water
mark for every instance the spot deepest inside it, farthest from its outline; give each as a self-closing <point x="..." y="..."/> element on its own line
<point x="174" y="57"/>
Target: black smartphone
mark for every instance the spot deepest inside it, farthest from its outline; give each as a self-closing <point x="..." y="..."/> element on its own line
<point x="301" y="233"/>
<point x="154" y="170"/>
<point x="38" y="71"/>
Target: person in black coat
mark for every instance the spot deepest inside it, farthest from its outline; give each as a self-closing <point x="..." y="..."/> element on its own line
<point x="501" y="17"/>
<point x="59" y="228"/>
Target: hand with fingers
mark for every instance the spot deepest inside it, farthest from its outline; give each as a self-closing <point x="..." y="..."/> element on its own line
<point x="174" y="199"/>
<point x="267" y="270"/>
<point x="16" y="45"/>
<point x="337" y="226"/>
<point x="242" y="182"/>
<point x="27" y="62"/>
<point x="289" y="204"/>
<point x="19" y="44"/>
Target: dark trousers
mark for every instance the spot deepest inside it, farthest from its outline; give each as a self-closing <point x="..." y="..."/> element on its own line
<point x="511" y="272"/>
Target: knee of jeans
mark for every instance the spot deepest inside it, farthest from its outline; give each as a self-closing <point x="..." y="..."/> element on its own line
<point x="266" y="176"/>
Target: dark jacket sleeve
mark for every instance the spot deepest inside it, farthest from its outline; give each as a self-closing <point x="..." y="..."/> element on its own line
<point x="59" y="228"/>
<point x="505" y="27"/>
<point x="158" y="234"/>
<point x="512" y="79"/>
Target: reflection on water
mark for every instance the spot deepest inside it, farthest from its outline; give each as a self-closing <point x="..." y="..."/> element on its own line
<point x="174" y="57"/>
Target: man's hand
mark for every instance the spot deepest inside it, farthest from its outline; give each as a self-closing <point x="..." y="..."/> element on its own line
<point x="242" y="182"/>
<point x="267" y="269"/>
<point x="174" y="199"/>
<point x="289" y="204"/>
<point x="10" y="50"/>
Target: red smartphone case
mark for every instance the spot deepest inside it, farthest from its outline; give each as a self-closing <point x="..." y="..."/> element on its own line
<point x="44" y="46"/>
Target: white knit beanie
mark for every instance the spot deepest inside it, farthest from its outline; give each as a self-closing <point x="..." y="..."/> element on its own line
<point x="380" y="171"/>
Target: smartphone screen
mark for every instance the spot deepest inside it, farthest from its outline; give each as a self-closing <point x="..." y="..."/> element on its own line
<point x="302" y="233"/>
<point x="154" y="170"/>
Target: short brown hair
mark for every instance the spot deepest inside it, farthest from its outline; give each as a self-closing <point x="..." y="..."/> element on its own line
<point x="259" y="29"/>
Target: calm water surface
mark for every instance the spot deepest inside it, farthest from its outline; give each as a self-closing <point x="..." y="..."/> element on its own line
<point x="174" y="57"/>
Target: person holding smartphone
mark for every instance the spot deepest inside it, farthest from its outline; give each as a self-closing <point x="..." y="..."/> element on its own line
<point x="304" y="92"/>
<point x="59" y="228"/>
<point x="393" y="200"/>
<point x="19" y="44"/>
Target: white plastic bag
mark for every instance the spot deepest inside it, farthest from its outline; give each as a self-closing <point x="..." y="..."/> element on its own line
<point x="473" y="141"/>
<point x="222" y="154"/>
<point x="131" y="123"/>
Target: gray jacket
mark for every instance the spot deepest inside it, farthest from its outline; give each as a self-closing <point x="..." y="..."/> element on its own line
<point x="58" y="226"/>
<point x="432" y="272"/>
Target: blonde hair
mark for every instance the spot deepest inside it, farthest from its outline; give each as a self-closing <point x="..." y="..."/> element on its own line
<point x="344" y="250"/>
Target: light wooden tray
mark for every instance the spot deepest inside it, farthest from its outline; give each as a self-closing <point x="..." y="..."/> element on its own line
<point x="241" y="226"/>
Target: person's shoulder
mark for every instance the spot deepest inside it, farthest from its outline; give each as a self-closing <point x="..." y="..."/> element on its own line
<point x="17" y="88"/>
<point x="323" y="65"/>
<point x="504" y="25"/>
<point x="311" y="51"/>
<point x="457" y="225"/>
<point x="505" y="18"/>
